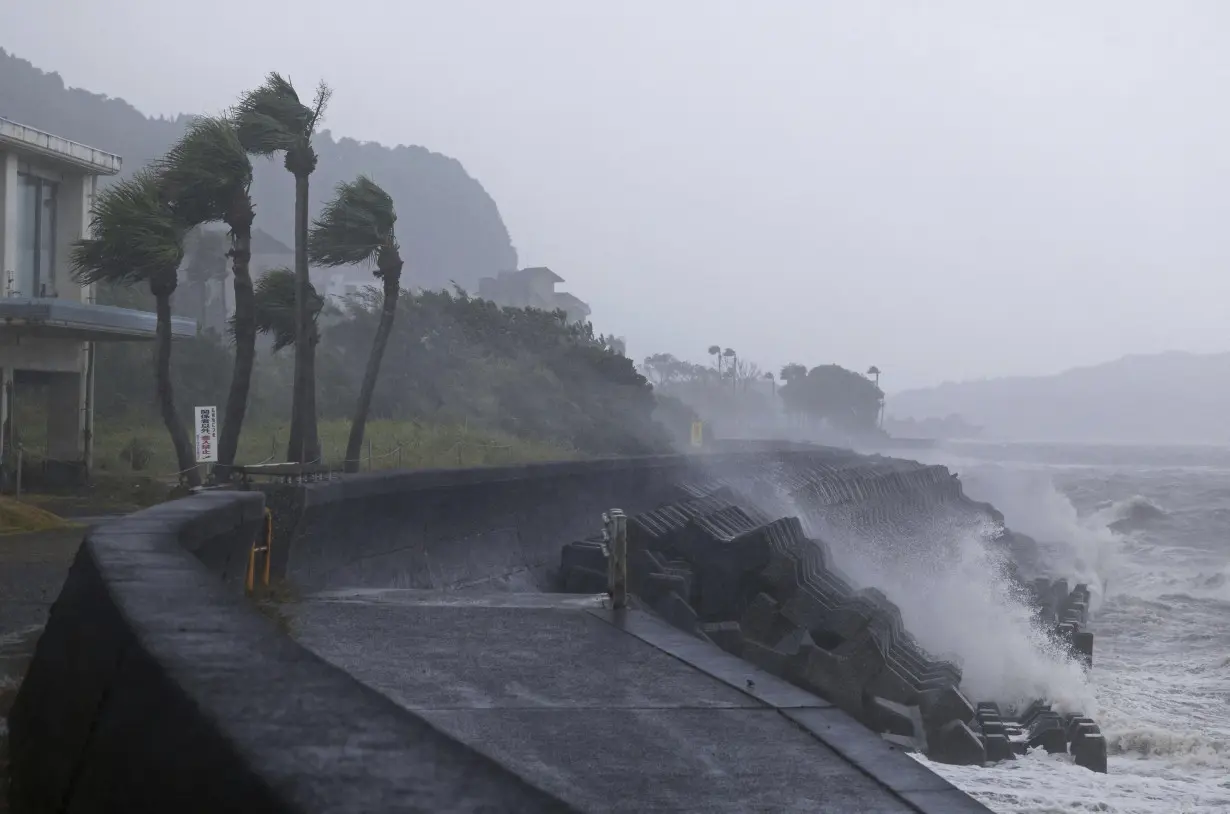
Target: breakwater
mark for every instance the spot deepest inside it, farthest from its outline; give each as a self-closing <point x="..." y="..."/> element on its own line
<point x="157" y="686"/>
<point x="723" y="561"/>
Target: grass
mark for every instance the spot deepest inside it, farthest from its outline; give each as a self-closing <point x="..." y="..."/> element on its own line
<point x="270" y="601"/>
<point x="391" y="444"/>
<point x="17" y="517"/>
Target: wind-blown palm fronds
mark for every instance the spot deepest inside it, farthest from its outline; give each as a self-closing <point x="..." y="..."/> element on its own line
<point x="208" y="177"/>
<point x="272" y="119"/>
<point x="275" y="306"/>
<point x="207" y="173"/>
<point x="353" y="227"/>
<point x="135" y="237"/>
<point x="357" y="227"/>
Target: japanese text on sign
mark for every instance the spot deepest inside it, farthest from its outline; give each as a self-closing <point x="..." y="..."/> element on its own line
<point x="206" y="434"/>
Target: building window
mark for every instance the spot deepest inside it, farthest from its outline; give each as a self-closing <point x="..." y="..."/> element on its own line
<point x="36" y="243"/>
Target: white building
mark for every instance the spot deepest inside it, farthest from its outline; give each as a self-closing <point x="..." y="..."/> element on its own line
<point x="48" y="323"/>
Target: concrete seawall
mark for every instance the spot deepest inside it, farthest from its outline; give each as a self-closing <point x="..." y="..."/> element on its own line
<point x="443" y="529"/>
<point x="157" y="687"/>
<point x="154" y="688"/>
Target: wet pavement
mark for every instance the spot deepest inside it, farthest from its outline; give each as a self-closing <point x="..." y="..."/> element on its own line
<point x="610" y="712"/>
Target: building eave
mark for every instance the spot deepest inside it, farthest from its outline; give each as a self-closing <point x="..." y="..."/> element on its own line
<point x="24" y="139"/>
<point x="66" y="319"/>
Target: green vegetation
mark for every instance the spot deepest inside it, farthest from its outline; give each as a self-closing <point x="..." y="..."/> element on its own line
<point x="137" y="238"/>
<point x="416" y="378"/>
<point x="357" y="227"/>
<point x="271" y="120"/>
<point x="843" y="399"/>
<point x="736" y="394"/>
<point x="207" y="177"/>
<point x="17" y="517"/>
<point x="453" y="360"/>
<point x="409" y="444"/>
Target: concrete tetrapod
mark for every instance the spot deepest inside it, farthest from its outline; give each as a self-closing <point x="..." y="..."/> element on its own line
<point x="717" y="566"/>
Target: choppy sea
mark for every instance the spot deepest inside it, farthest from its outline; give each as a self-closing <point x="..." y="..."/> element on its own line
<point x="1149" y="529"/>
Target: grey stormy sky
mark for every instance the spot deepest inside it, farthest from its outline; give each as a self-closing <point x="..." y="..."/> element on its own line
<point x="947" y="189"/>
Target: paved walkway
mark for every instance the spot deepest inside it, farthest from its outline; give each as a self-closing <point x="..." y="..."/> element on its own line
<point x="613" y="712"/>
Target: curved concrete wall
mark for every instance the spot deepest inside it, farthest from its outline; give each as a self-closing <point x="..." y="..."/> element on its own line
<point x="154" y="688"/>
<point x="450" y="528"/>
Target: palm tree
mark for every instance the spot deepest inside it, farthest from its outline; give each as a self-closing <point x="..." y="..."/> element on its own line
<point x="276" y="308"/>
<point x="875" y="371"/>
<point x="136" y="238"/>
<point x="357" y="227"/>
<point x="768" y="374"/>
<point x="208" y="177"/>
<point x="716" y="351"/>
<point x="271" y="119"/>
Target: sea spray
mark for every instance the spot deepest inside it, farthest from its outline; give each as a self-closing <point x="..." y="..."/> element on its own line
<point x="958" y="600"/>
<point x="955" y="594"/>
<point x="1082" y="549"/>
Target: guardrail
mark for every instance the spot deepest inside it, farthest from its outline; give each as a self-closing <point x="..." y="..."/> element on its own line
<point x="320" y="470"/>
<point x="265" y="549"/>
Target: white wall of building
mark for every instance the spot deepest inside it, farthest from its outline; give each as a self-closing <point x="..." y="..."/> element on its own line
<point x="35" y="262"/>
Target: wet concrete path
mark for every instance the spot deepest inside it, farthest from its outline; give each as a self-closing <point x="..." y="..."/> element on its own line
<point x="612" y="712"/>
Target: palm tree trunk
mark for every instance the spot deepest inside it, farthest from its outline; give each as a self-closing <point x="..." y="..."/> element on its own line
<point x="304" y="443"/>
<point x="166" y="398"/>
<point x="245" y="351"/>
<point x="358" y="425"/>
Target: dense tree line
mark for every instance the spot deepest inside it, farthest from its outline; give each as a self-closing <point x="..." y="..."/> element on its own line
<point x="733" y="392"/>
<point x="450" y="359"/>
<point x="450" y="356"/>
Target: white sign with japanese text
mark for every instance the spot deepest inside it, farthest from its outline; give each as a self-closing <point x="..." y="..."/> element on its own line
<point x="206" y="435"/>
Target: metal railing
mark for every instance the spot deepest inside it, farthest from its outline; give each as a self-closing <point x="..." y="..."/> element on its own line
<point x="265" y="551"/>
<point x="321" y="470"/>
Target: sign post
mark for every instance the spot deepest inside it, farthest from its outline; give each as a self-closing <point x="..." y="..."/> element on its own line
<point x="206" y="435"/>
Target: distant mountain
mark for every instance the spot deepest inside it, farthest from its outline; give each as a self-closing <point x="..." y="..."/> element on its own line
<point x="1170" y="397"/>
<point x="449" y="227"/>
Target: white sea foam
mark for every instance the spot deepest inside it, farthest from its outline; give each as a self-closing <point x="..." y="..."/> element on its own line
<point x="1161" y="678"/>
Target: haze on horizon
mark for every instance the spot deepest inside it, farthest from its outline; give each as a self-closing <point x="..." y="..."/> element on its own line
<point x="949" y="190"/>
